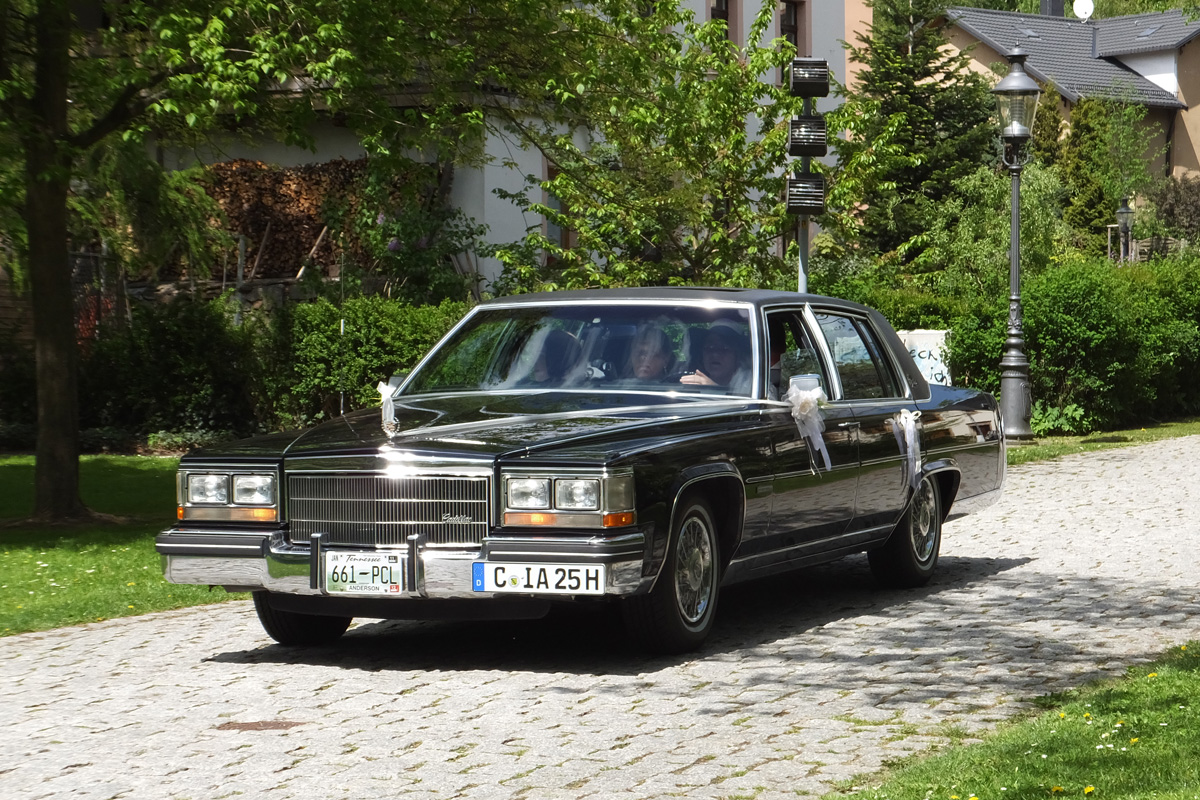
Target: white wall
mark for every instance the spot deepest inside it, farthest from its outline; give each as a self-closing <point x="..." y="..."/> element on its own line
<point x="1158" y="68"/>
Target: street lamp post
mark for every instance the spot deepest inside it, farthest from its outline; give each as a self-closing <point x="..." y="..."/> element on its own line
<point x="1124" y="226"/>
<point x="1016" y="101"/>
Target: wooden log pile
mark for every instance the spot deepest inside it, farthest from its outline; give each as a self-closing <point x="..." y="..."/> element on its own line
<point x="285" y="213"/>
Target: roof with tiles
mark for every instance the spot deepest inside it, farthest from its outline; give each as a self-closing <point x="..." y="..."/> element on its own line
<point x="1145" y="33"/>
<point x="1066" y="53"/>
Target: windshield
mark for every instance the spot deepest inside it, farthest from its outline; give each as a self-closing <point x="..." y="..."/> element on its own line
<point x="660" y="348"/>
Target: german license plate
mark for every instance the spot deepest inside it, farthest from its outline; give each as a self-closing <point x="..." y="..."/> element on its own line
<point x="364" y="573"/>
<point x="538" y="578"/>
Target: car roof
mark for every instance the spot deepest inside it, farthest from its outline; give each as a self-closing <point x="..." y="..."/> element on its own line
<point x="680" y="294"/>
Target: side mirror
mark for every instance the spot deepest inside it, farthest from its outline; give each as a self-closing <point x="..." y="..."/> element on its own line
<point x="805" y="382"/>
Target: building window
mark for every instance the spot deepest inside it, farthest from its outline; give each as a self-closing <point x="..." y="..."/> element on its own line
<point x="563" y="237"/>
<point x="720" y="9"/>
<point x="793" y="26"/>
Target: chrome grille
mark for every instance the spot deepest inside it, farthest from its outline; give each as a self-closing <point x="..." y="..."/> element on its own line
<point x="373" y="509"/>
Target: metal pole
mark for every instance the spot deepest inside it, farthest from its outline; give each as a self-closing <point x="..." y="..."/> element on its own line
<point x="802" y="243"/>
<point x="1015" y="400"/>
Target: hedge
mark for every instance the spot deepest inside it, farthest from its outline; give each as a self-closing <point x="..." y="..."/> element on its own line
<point x="187" y="372"/>
<point x="1108" y="347"/>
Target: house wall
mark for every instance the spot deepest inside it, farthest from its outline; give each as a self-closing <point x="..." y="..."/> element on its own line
<point x="1158" y="68"/>
<point x="329" y="142"/>
<point x="1185" y="152"/>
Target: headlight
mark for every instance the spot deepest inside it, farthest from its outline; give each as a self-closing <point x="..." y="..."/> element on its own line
<point x="528" y="493"/>
<point x="602" y="500"/>
<point x="577" y="495"/>
<point x="231" y="496"/>
<point x="208" y="489"/>
<point x="254" y="490"/>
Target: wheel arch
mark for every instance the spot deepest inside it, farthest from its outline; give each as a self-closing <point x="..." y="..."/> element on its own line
<point x="722" y="487"/>
<point x="946" y="473"/>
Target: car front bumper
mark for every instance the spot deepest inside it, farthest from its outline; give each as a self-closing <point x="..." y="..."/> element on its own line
<point x="247" y="561"/>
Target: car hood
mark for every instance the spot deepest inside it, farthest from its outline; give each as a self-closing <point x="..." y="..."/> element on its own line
<point x="489" y="424"/>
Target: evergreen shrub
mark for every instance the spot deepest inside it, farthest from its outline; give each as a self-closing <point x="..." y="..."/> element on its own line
<point x="381" y="338"/>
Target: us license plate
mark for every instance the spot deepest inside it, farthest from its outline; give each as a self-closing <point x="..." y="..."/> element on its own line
<point x="538" y="578"/>
<point x="364" y="573"/>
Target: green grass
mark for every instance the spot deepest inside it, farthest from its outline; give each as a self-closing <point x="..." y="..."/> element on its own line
<point x="56" y="576"/>
<point x="1132" y="738"/>
<point x="1055" y="446"/>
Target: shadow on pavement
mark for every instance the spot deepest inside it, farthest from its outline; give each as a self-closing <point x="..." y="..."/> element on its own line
<point x="592" y="640"/>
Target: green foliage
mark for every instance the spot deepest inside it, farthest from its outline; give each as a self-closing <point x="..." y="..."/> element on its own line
<point x="1047" y="141"/>
<point x="966" y="244"/>
<point x="659" y="177"/>
<point x="946" y="109"/>
<point x="18" y="380"/>
<point x="146" y="216"/>
<point x="1177" y="205"/>
<point x="181" y="366"/>
<point x="1106" y="346"/>
<point x="411" y="234"/>
<point x="381" y="338"/>
<point x="1107" y="158"/>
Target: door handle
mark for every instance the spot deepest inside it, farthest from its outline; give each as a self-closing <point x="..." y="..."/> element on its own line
<point x="849" y="425"/>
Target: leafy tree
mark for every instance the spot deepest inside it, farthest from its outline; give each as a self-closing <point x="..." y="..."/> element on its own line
<point x="77" y="76"/>
<point x="1047" y="140"/>
<point x="966" y="253"/>
<point x="667" y="158"/>
<point x="947" y="111"/>
<point x="1106" y="158"/>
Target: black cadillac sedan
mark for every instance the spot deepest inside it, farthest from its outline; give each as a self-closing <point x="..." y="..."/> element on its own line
<point x="644" y="447"/>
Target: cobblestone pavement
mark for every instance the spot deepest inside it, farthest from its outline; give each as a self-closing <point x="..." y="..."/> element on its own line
<point x="1086" y="566"/>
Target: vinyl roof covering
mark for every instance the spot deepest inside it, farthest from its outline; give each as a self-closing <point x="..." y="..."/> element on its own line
<point x="1067" y="53"/>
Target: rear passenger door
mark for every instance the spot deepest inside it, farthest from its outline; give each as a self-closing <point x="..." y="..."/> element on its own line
<point x="872" y="388"/>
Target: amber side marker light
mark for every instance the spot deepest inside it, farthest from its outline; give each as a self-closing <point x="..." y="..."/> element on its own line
<point x="619" y="519"/>
<point x="530" y="519"/>
<point x="179" y="512"/>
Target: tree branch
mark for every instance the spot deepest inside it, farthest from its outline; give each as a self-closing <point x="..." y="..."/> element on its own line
<point x="128" y="106"/>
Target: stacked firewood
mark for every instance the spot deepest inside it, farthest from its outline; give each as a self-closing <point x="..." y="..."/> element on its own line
<point x="285" y="213"/>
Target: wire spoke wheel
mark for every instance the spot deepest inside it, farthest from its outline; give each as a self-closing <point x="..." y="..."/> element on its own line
<point x="908" y="558"/>
<point x="925" y="529"/>
<point x="677" y="614"/>
<point x="695" y="570"/>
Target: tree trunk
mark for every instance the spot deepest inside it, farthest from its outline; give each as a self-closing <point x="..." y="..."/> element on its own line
<point x="47" y="181"/>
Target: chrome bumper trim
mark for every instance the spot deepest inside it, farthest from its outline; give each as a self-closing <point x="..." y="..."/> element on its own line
<point x="274" y="564"/>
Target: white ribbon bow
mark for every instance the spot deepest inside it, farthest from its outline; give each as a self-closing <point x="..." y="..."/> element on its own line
<point x="904" y="426"/>
<point x="806" y="409"/>
<point x="387" y="407"/>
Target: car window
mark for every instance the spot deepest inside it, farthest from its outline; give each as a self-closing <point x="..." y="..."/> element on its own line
<point x="861" y="365"/>
<point x="790" y="352"/>
<point x="641" y="347"/>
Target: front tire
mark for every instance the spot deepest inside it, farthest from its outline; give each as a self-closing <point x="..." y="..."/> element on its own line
<point x="291" y="628"/>
<point x="677" y="614"/>
<point x="908" y="558"/>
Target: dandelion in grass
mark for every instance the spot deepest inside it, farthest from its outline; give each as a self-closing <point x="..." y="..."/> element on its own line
<point x="1152" y="675"/>
<point x="1089" y="789"/>
<point x="1133" y="740"/>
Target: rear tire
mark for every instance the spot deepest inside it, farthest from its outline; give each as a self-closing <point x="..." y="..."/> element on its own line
<point x="294" y="629"/>
<point x="908" y="558"/>
<point x="677" y="614"/>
